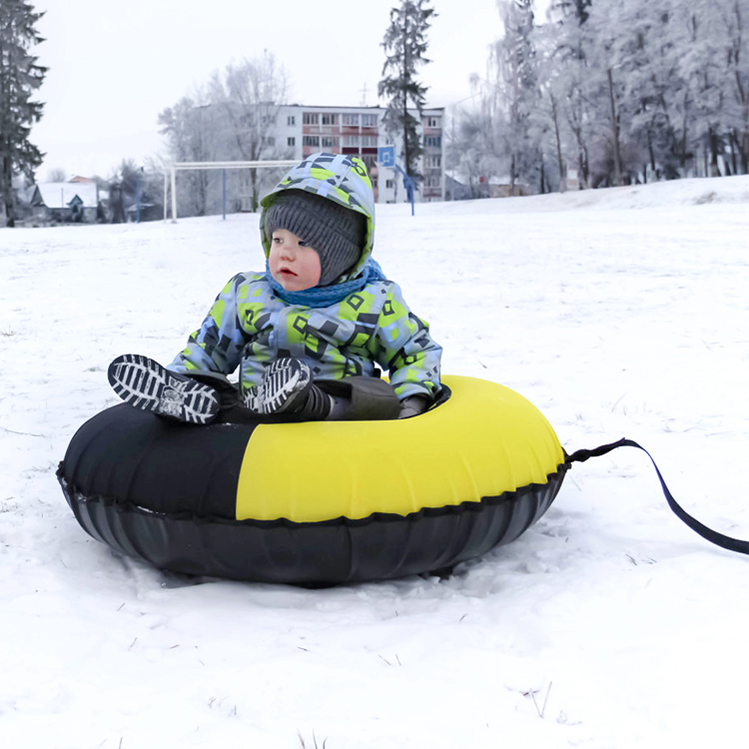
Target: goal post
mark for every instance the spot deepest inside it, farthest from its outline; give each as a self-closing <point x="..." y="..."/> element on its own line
<point x="185" y="165"/>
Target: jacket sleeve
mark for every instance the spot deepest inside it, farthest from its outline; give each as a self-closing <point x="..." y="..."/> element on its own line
<point x="218" y="344"/>
<point x="406" y="349"/>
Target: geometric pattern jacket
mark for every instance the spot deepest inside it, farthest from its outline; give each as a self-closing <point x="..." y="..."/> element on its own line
<point x="249" y="326"/>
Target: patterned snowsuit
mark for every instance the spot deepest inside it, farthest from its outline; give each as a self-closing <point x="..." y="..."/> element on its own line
<point x="249" y="325"/>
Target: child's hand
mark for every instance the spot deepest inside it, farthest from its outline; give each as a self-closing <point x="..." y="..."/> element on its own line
<point x="413" y="406"/>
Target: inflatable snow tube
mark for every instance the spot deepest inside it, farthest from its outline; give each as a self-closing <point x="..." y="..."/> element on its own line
<point x="318" y="502"/>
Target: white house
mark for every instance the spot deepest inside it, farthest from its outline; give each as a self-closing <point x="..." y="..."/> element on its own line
<point x="66" y="202"/>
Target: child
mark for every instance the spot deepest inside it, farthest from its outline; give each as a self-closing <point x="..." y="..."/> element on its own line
<point x="307" y="333"/>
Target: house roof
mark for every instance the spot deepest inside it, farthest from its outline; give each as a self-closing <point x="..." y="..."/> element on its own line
<point x="63" y="194"/>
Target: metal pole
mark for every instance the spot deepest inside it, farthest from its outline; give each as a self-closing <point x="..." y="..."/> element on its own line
<point x="224" y="185"/>
<point x="166" y="187"/>
<point x="174" y="195"/>
<point x="138" y="194"/>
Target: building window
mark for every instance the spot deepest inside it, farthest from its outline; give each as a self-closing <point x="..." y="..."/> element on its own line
<point x="369" y="141"/>
<point x="350" y="140"/>
<point x="369" y="120"/>
<point x="311" y="140"/>
<point x="433" y="122"/>
<point x="291" y="141"/>
<point x="329" y="119"/>
<point x="352" y="120"/>
<point x="369" y="161"/>
<point x="329" y="141"/>
<point x="433" y="141"/>
<point x="433" y="161"/>
<point x="291" y="120"/>
<point x="389" y="184"/>
<point x="310" y="118"/>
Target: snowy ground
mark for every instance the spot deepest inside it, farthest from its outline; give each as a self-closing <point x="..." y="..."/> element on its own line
<point x="622" y="312"/>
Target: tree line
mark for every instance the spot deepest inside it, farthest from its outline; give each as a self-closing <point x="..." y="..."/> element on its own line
<point x="231" y="117"/>
<point x="616" y="91"/>
<point x="610" y="91"/>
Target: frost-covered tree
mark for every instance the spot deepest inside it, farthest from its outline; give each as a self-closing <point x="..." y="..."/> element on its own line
<point x="249" y="95"/>
<point x="621" y="91"/>
<point x="516" y="88"/>
<point x="715" y="66"/>
<point x="735" y="17"/>
<point x="651" y="88"/>
<point x="129" y="185"/>
<point x="232" y="118"/>
<point x="405" y="45"/>
<point x="472" y="151"/>
<point x="190" y="127"/>
<point x="571" y="84"/>
<point x="548" y="115"/>
<point x="678" y="74"/>
<point x="20" y="77"/>
<point x="57" y="175"/>
<point x="577" y="9"/>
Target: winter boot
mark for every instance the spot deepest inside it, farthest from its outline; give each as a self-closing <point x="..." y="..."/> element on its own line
<point x="287" y="390"/>
<point x="147" y="385"/>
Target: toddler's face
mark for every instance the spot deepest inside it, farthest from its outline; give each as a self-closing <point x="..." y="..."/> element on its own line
<point x="294" y="264"/>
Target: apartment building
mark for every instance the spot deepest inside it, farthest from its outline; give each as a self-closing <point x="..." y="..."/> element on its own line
<point x="359" y="131"/>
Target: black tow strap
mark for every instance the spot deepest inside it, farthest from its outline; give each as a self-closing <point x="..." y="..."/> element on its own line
<point x="726" y="542"/>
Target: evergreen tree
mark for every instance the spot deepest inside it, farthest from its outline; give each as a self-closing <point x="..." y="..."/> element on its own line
<point x="20" y="76"/>
<point x="405" y="45"/>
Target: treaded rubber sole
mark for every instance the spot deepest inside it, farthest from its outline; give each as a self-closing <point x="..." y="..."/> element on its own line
<point x="145" y="384"/>
<point x="282" y="389"/>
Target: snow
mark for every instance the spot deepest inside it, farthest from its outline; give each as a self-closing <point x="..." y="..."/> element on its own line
<point x="621" y="312"/>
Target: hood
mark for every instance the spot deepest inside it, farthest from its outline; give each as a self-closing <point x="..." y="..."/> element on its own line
<point x="337" y="177"/>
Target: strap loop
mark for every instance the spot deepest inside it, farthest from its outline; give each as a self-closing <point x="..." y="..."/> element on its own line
<point x="725" y="542"/>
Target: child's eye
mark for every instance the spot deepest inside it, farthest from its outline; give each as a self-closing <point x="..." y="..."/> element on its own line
<point x="302" y="243"/>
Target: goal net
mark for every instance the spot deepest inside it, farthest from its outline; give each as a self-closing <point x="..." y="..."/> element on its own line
<point x="207" y="165"/>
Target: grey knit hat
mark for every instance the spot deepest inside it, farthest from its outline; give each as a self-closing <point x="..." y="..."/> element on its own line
<point x="335" y="232"/>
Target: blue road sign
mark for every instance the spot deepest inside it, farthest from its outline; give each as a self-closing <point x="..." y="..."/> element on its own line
<point x="386" y="155"/>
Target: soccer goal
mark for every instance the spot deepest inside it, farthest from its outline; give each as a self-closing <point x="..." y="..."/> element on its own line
<point x="223" y="165"/>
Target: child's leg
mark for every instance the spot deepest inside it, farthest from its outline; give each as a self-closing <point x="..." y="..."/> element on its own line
<point x="361" y="399"/>
<point x="287" y="393"/>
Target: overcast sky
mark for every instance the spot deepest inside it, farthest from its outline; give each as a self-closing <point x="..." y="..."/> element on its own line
<point x="113" y="66"/>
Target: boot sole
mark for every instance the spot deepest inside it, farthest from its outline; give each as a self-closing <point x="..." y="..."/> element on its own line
<point x="145" y="384"/>
<point x="281" y="382"/>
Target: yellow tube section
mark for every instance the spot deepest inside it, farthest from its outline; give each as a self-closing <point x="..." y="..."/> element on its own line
<point x="484" y="441"/>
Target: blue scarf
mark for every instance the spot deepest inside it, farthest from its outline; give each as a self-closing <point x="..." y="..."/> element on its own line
<point x="324" y="296"/>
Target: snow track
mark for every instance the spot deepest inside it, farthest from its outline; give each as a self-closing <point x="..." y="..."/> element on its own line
<point x="608" y="624"/>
